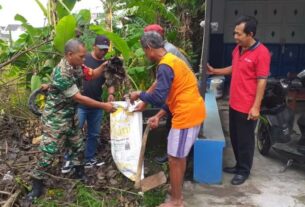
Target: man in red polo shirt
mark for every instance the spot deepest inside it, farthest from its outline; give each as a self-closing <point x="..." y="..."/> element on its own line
<point x="250" y="69"/>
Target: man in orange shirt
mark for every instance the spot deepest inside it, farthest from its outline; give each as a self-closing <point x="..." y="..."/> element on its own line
<point x="177" y="87"/>
<point x="169" y="47"/>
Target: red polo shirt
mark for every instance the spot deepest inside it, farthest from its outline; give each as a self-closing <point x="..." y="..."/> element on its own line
<point x="247" y="68"/>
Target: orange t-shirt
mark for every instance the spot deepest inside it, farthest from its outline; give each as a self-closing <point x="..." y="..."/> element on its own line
<point x="184" y="100"/>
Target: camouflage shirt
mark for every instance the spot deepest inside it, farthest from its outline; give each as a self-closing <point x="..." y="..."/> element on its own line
<point x="60" y="108"/>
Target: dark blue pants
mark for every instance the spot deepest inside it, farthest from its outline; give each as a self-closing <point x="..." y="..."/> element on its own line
<point x="94" y="120"/>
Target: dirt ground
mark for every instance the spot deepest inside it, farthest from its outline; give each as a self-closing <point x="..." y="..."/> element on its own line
<point x="266" y="187"/>
<point x="104" y="186"/>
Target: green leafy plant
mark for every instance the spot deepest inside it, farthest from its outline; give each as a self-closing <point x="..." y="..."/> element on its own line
<point x="154" y="198"/>
<point x="90" y="198"/>
<point x="151" y="11"/>
<point x="64" y="7"/>
<point x="65" y="30"/>
<point x="83" y="17"/>
<point x="119" y="43"/>
<point x="35" y="82"/>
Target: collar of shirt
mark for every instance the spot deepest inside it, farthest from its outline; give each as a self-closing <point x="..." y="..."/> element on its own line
<point x="253" y="47"/>
<point x="68" y="69"/>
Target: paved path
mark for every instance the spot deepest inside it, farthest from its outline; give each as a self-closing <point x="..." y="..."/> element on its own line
<point x="266" y="187"/>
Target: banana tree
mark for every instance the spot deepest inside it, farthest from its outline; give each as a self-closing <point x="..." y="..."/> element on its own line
<point x="152" y="11"/>
<point x="108" y="10"/>
<point x="190" y="13"/>
<point x="56" y="9"/>
<point x="33" y="52"/>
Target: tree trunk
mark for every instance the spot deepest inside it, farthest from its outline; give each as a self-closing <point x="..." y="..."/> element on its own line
<point x="53" y="17"/>
<point x="196" y="36"/>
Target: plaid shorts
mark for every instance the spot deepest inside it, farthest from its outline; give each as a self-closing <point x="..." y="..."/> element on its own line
<point x="180" y="141"/>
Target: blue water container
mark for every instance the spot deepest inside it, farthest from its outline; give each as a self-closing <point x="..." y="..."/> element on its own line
<point x="208" y="156"/>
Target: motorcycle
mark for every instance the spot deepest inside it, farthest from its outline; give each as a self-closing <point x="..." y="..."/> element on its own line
<point x="275" y="127"/>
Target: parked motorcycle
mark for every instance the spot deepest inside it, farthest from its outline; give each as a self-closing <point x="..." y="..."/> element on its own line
<point x="275" y="127"/>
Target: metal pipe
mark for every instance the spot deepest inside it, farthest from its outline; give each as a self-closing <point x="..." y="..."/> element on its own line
<point x="205" y="46"/>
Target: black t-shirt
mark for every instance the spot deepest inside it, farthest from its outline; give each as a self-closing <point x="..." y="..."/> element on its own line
<point x="93" y="88"/>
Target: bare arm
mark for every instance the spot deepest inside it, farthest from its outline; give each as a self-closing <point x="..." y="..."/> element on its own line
<point x="260" y="90"/>
<point x="99" y="70"/>
<point x="44" y="87"/>
<point x="261" y="86"/>
<point x="84" y="100"/>
<point x="161" y="113"/>
<point x="111" y="91"/>
<point x="219" y="71"/>
<point x="141" y="106"/>
<point x="154" y="121"/>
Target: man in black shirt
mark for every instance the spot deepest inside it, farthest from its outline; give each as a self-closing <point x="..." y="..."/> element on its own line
<point x="93" y="89"/>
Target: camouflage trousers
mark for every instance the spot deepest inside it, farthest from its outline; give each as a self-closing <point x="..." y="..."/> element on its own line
<point x="64" y="136"/>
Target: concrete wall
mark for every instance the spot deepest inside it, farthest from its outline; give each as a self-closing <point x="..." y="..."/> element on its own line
<point x="281" y="28"/>
<point x="279" y="21"/>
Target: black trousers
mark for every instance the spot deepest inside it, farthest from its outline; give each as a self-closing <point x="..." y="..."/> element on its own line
<point x="243" y="140"/>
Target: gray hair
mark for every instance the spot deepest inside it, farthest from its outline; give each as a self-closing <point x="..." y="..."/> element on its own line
<point x="152" y="39"/>
<point x="73" y="45"/>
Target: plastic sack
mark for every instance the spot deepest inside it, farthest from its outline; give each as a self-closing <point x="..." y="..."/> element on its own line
<point x="126" y="128"/>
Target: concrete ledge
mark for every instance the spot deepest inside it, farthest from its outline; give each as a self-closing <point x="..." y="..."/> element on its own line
<point x="208" y="151"/>
<point x="212" y="128"/>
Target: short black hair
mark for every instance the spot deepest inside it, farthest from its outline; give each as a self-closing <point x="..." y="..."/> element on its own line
<point x="250" y="24"/>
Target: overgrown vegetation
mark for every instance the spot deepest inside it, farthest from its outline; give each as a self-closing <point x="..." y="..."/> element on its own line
<point x="85" y="196"/>
<point x="28" y="62"/>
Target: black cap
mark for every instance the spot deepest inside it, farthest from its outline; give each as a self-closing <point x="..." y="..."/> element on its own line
<point x="102" y="42"/>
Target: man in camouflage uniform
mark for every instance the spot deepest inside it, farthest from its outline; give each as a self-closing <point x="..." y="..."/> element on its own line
<point x="59" y="118"/>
